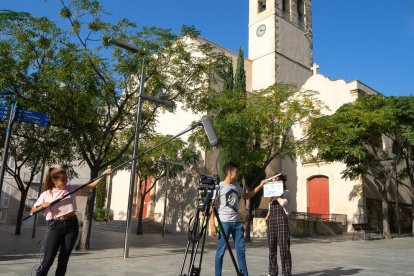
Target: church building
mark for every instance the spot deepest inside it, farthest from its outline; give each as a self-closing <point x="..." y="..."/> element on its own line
<point x="281" y="51"/>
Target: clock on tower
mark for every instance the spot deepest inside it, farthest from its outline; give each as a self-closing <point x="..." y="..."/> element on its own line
<point x="261" y="30"/>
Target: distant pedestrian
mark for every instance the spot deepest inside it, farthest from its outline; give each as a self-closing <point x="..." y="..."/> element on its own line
<point x="63" y="228"/>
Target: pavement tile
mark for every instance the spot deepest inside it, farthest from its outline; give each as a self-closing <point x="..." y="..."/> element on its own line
<point x="150" y="254"/>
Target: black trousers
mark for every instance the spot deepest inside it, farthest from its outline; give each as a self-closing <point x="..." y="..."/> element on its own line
<point x="278" y="234"/>
<point x="61" y="237"/>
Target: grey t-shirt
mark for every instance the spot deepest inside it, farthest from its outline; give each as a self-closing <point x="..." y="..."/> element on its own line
<point x="227" y="201"/>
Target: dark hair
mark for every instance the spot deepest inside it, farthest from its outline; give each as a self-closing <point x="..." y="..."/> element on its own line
<point x="281" y="177"/>
<point x="52" y="174"/>
<point x="229" y="166"/>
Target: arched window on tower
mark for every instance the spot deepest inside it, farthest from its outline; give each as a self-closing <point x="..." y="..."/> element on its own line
<point x="261" y="5"/>
<point x="285" y="9"/>
<point x="301" y="10"/>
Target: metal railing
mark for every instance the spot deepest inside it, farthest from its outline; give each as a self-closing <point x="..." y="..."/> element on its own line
<point x="341" y="218"/>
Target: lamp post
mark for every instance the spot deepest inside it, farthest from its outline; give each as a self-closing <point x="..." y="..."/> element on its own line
<point x="12" y="118"/>
<point x="39" y="191"/>
<point x="141" y="97"/>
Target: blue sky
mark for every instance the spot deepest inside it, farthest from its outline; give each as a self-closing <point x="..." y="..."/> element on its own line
<point x="368" y="40"/>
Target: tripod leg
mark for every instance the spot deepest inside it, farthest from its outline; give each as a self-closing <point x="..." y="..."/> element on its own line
<point x="239" y="272"/>
<point x="192" y="270"/>
<point x="197" y="232"/>
<point x="204" y="231"/>
<point x="191" y="239"/>
<point x="195" y="271"/>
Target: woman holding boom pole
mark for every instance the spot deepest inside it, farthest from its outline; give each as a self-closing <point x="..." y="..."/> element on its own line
<point x="63" y="228"/>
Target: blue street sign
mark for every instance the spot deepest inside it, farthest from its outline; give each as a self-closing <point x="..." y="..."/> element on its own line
<point x="3" y="112"/>
<point x="32" y="117"/>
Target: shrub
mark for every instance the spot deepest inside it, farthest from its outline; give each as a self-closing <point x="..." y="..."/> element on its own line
<point x="103" y="214"/>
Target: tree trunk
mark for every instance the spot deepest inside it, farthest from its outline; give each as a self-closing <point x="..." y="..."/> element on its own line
<point x="251" y="181"/>
<point x="412" y="210"/>
<point x="141" y="209"/>
<point x="109" y="198"/>
<point x="411" y="178"/>
<point x="248" y="219"/>
<point x="385" y="212"/>
<point x="23" y="196"/>
<point x="397" y="210"/>
<point x="85" y="234"/>
<point x="386" y="232"/>
<point x="385" y="221"/>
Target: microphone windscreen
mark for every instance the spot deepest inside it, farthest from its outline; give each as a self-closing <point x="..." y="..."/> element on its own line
<point x="209" y="130"/>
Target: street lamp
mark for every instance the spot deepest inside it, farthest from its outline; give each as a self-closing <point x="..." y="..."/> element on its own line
<point x="141" y="96"/>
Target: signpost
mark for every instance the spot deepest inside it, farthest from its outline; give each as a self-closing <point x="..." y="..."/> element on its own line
<point x="17" y="115"/>
<point x="32" y="117"/>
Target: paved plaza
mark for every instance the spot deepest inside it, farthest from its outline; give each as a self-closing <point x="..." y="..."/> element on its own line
<point x="150" y="254"/>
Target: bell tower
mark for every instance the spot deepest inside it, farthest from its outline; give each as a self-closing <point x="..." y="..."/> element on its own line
<point x="280" y="41"/>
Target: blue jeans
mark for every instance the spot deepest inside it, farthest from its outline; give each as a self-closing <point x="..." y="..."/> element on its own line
<point x="237" y="232"/>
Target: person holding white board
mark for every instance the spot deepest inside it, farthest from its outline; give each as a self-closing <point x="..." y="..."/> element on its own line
<point x="277" y="225"/>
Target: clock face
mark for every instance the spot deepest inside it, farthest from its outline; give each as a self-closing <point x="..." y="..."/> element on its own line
<point x="261" y="30"/>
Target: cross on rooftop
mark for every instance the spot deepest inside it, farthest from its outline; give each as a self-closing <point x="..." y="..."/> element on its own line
<point x="315" y="68"/>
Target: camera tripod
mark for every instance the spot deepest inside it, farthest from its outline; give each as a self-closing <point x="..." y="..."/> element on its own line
<point x="198" y="232"/>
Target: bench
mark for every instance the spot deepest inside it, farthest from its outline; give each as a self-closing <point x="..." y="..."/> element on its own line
<point x="366" y="229"/>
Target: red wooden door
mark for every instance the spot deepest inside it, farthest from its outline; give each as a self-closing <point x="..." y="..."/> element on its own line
<point x="318" y="195"/>
<point x="147" y="199"/>
<point x="145" y="186"/>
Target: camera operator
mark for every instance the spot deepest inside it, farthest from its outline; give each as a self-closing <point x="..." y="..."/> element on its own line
<point x="227" y="202"/>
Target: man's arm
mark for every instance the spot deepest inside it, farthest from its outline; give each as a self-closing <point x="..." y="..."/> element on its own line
<point x="250" y="194"/>
<point x="213" y="230"/>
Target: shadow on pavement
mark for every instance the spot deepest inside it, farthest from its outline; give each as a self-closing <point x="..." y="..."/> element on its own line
<point x="338" y="271"/>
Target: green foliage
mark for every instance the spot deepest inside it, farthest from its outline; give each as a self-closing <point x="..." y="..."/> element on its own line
<point x="97" y="25"/>
<point x="189" y="31"/>
<point x="228" y="78"/>
<point x="65" y="12"/>
<point x="76" y="26"/>
<point x="100" y="195"/>
<point x="103" y="214"/>
<point x="91" y="97"/>
<point x="240" y="75"/>
<point x="255" y="130"/>
<point x="353" y="135"/>
<point x="373" y="136"/>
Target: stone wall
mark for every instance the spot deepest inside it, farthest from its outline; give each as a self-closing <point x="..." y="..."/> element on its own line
<point x="300" y="228"/>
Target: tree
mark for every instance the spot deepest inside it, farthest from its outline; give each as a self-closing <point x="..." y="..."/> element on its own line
<point x="26" y="52"/>
<point x="228" y="84"/>
<point x="240" y="75"/>
<point x="92" y="95"/>
<point x="256" y="129"/>
<point x="183" y="188"/>
<point x="150" y="168"/>
<point x="354" y="135"/>
<point x="29" y="153"/>
<point x="403" y="141"/>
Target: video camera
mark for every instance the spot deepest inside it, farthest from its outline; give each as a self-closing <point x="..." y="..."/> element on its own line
<point x="208" y="182"/>
<point x="207" y="189"/>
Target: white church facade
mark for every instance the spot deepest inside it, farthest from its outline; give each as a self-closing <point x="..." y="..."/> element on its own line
<point x="281" y="50"/>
